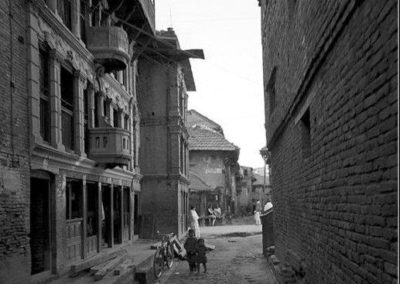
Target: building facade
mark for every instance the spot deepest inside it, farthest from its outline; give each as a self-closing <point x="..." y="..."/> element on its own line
<point x="331" y="107"/>
<point x="244" y="181"/>
<point x="165" y="77"/>
<point x="213" y="163"/>
<point x="70" y="173"/>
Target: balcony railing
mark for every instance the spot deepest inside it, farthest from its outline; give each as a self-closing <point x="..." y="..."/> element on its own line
<point x="149" y="10"/>
<point x="110" y="146"/>
<point x="110" y="46"/>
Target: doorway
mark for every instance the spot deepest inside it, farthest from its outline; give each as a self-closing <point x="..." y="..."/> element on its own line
<point x="136" y="224"/>
<point x="117" y="214"/>
<point x="106" y="216"/>
<point x="40" y="238"/>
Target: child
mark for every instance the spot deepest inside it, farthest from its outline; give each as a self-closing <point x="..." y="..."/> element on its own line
<point x="190" y="247"/>
<point x="201" y="255"/>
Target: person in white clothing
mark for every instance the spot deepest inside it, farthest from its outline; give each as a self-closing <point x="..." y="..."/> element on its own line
<point x="257" y="213"/>
<point x="194" y="222"/>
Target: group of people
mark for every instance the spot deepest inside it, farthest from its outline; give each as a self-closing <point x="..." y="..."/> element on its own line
<point x="195" y="252"/>
<point x="213" y="214"/>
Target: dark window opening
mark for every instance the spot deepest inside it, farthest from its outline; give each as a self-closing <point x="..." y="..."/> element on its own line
<point x="67" y="107"/>
<point x="64" y="8"/>
<point x="74" y="199"/>
<point x="271" y="90"/>
<point x="306" y="134"/>
<point x="126" y="122"/>
<point x="86" y="121"/>
<point x="116" y="118"/>
<point x="83" y="16"/>
<point x="44" y="95"/>
<point x="96" y="110"/>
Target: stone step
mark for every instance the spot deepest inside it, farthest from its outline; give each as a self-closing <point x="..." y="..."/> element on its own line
<point x="109" y="267"/>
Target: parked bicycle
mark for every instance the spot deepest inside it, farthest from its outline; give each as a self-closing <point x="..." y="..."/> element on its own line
<point x="164" y="255"/>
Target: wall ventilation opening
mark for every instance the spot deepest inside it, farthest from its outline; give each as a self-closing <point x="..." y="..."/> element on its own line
<point x="271" y="90"/>
<point x="305" y="126"/>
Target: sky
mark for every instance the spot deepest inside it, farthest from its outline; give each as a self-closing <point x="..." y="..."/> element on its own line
<point x="229" y="81"/>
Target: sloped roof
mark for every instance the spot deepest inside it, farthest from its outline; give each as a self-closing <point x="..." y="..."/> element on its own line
<point x="193" y="118"/>
<point x="197" y="183"/>
<point x="201" y="138"/>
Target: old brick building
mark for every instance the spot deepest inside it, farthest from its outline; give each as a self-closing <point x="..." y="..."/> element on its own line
<point x="213" y="164"/>
<point x="331" y="101"/>
<point x="70" y="179"/>
<point x="14" y="145"/>
<point x="165" y="77"/>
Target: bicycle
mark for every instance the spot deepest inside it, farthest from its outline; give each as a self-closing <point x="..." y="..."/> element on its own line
<point x="164" y="255"/>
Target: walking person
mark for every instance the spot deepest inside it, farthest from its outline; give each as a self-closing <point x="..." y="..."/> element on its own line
<point x="191" y="249"/>
<point x="257" y="213"/>
<point x="194" y="221"/>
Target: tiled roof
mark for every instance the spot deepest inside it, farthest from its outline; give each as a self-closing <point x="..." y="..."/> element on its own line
<point x="203" y="138"/>
<point x="195" y="118"/>
<point x="197" y="183"/>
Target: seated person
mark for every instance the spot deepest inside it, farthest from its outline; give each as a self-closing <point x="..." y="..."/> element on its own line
<point x="218" y="212"/>
<point x="211" y="216"/>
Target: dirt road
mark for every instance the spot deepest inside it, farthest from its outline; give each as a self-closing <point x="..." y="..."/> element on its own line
<point x="237" y="258"/>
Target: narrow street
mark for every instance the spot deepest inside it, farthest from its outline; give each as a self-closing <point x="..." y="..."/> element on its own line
<point x="237" y="258"/>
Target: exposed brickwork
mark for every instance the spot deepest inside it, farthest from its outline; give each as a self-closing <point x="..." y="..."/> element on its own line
<point x="14" y="145"/>
<point x="335" y="210"/>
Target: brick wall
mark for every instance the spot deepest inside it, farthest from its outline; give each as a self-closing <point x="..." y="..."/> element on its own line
<point x="14" y="146"/>
<point x="335" y="207"/>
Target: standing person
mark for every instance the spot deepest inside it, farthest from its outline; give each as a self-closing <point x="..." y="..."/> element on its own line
<point x="257" y="213"/>
<point x="194" y="221"/>
<point x="191" y="247"/>
<point x="268" y="205"/>
<point x="201" y="255"/>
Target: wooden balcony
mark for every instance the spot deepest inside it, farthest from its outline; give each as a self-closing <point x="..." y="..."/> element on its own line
<point x="149" y="11"/>
<point x="110" y="47"/>
<point x="110" y="146"/>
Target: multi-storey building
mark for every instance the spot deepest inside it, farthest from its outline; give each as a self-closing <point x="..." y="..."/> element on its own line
<point x="165" y="77"/>
<point x="213" y="165"/>
<point x="244" y="180"/>
<point x="331" y="114"/>
<point x="70" y="177"/>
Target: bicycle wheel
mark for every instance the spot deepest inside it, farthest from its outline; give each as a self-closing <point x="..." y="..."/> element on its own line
<point x="169" y="256"/>
<point x="158" y="263"/>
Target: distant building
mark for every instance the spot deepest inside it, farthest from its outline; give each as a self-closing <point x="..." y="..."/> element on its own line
<point x="244" y="181"/>
<point x="331" y="116"/>
<point x="260" y="189"/>
<point x="213" y="164"/>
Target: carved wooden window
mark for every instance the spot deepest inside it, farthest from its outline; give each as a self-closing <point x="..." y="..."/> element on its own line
<point x="67" y="109"/>
<point x="44" y="95"/>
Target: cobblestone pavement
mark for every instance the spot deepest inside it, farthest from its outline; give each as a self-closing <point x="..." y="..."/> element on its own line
<point x="237" y="258"/>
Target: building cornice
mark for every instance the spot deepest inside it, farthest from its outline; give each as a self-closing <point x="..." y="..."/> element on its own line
<point x="55" y="23"/>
